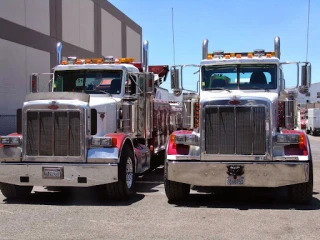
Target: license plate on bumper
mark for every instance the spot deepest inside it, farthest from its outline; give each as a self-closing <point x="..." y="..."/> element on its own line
<point x="52" y="172"/>
<point x="238" y="181"/>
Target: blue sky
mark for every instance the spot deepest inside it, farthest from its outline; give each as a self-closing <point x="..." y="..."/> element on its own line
<point x="230" y="25"/>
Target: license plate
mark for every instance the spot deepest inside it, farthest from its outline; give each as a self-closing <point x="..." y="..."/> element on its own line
<point x="238" y="181"/>
<point x="52" y="172"/>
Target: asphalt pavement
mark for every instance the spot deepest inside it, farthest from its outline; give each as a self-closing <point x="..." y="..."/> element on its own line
<point x="234" y="214"/>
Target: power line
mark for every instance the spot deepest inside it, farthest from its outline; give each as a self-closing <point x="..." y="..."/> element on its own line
<point x="308" y="30"/>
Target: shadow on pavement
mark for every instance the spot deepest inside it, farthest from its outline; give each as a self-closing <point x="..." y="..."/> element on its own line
<point x="245" y="199"/>
<point x="147" y="182"/>
<point x="74" y="197"/>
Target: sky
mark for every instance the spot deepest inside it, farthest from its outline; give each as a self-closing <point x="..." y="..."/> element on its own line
<point x="229" y="25"/>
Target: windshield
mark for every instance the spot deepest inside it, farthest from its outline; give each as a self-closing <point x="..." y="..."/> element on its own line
<point x="88" y="81"/>
<point x="239" y="77"/>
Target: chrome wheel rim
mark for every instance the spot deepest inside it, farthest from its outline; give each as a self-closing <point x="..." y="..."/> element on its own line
<point x="129" y="172"/>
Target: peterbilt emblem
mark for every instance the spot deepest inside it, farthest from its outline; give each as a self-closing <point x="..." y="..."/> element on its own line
<point x="234" y="101"/>
<point x="102" y="115"/>
<point x="53" y="105"/>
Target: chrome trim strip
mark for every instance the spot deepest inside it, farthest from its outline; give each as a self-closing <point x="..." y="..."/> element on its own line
<point x="103" y="155"/>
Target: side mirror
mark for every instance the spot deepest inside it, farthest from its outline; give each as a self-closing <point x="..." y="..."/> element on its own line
<point x="34" y="83"/>
<point x="175" y="78"/>
<point x="175" y="83"/>
<point x="305" y="78"/>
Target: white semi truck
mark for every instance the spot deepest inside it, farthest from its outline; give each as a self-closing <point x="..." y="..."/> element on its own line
<point x="100" y="125"/>
<point x="239" y="129"/>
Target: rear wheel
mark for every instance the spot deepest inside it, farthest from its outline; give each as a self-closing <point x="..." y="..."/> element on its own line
<point x="125" y="187"/>
<point x="11" y="191"/>
<point x="302" y="193"/>
<point x="175" y="191"/>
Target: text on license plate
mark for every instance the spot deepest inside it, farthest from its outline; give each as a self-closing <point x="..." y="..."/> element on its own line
<point x="52" y="172"/>
<point x="239" y="180"/>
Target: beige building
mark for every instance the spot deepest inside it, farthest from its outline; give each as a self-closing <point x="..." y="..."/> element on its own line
<point x="30" y="30"/>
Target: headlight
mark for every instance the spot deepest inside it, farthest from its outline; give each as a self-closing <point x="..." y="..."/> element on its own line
<point x="288" y="138"/>
<point x="103" y="141"/>
<point x="186" y="139"/>
<point x="11" y="140"/>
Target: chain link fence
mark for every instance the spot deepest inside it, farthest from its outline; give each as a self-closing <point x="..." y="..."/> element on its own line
<point x="7" y="124"/>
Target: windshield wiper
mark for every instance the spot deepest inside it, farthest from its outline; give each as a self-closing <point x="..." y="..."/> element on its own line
<point x="98" y="90"/>
<point x="219" y="88"/>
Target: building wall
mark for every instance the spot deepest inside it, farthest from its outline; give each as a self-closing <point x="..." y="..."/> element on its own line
<point x="30" y="30"/>
<point x="314" y="89"/>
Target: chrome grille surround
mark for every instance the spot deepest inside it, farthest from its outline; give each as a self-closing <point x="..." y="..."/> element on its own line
<point x="224" y="129"/>
<point x="55" y="135"/>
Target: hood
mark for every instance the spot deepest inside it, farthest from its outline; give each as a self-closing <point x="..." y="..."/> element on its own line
<point x="107" y="112"/>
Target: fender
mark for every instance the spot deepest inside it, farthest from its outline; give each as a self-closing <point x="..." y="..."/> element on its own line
<point x="109" y="154"/>
<point x="177" y="149"/>
<point x="121" y="140"/>
<point x="302" y="148"/>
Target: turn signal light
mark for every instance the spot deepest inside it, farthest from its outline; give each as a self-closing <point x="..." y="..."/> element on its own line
<point x="196" y="115"/>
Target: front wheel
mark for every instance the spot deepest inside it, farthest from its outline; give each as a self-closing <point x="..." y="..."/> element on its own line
<point x="302" y="193"/>
<point x="125" y="187"/>
<point x="175" y="191"/>
<point x="11" y="191"/>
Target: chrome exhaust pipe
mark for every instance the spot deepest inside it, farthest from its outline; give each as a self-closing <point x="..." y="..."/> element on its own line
<point x="145" y="55"/>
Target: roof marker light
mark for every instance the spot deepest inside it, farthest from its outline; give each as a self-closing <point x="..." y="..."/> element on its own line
<point x="71" y="60"/>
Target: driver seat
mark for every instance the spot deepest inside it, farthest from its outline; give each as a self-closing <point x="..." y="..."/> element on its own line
<point x="115" y="86"/>
<point x="258" y="78"/>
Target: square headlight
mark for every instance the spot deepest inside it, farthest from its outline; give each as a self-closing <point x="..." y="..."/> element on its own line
<point x="95" y="141"/>
<point x="180" y="139"/>
<point x="106" y="142"/>
<point x="5" y="140"/>
<point x="293" y="138"/>
<point x="191" y="139"/>
<point x="15" y="141"/>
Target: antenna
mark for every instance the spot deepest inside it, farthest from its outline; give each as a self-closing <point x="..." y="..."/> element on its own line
<point x="308" y="31"/>
<point x="174" y="55"/>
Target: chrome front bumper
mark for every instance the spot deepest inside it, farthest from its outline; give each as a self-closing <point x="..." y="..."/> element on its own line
<point x="256" y="174"/>
<point x="74" y="174"/>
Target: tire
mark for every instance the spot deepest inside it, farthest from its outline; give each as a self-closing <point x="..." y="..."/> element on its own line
<point x="125" y="187"/>
<point x="11" y="191"/>
<point x="302" y="193"/>
<point x="311" y="132"/>
<point x="175" y="191"/>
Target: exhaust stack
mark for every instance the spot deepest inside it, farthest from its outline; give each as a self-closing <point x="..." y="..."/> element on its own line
<point x="145" y="55"/>
<point x="59" y="49"/>
<point x="205" y="48"/>
<point x="277" y="47"/>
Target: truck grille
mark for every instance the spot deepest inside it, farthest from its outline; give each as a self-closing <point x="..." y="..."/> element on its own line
<point x="53" y="134"/>
<point x="235" y="130"/>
